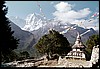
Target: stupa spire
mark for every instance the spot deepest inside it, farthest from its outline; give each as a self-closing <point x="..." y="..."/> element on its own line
<point x="78" y="43"/>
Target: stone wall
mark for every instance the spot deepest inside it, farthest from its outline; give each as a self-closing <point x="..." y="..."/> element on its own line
<point x="95" y="55"/>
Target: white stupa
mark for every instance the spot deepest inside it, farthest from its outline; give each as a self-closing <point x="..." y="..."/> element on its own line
<point x="77" y="50"/>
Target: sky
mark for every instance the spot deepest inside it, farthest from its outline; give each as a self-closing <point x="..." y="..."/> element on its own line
<point x="66" y="11"/>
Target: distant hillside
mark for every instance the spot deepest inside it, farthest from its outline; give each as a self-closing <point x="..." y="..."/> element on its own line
<point x="27" y="39"/>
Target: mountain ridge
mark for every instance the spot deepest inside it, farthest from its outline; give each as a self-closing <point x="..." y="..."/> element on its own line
<point x="37" y="25"/>
<point x="26" y="38"/>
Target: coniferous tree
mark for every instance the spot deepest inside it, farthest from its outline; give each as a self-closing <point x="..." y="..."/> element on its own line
<point x="53" y="43"/>
<point x="92" y="41"/>
<point x="7" y="41"/>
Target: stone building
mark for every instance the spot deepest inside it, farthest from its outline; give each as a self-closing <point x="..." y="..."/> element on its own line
<point x="77" y="50"/>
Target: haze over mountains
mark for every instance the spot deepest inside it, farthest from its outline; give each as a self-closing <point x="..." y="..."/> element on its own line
<point x="18" y="21"/>
<point x="35" y="26"/>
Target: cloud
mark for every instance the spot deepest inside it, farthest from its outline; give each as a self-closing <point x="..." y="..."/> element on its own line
<point x="87" y="24"/>
<point x="63" y="7"/>
<point x="93" y="24"/>
<point x="65" y="13"/>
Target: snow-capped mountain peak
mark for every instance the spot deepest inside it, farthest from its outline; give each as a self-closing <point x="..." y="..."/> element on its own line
<point x="34" y="21"/>
<point x="38" y="25"/>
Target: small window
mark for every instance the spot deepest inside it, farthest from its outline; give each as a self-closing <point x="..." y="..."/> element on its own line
<point x="78" y="49"/>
